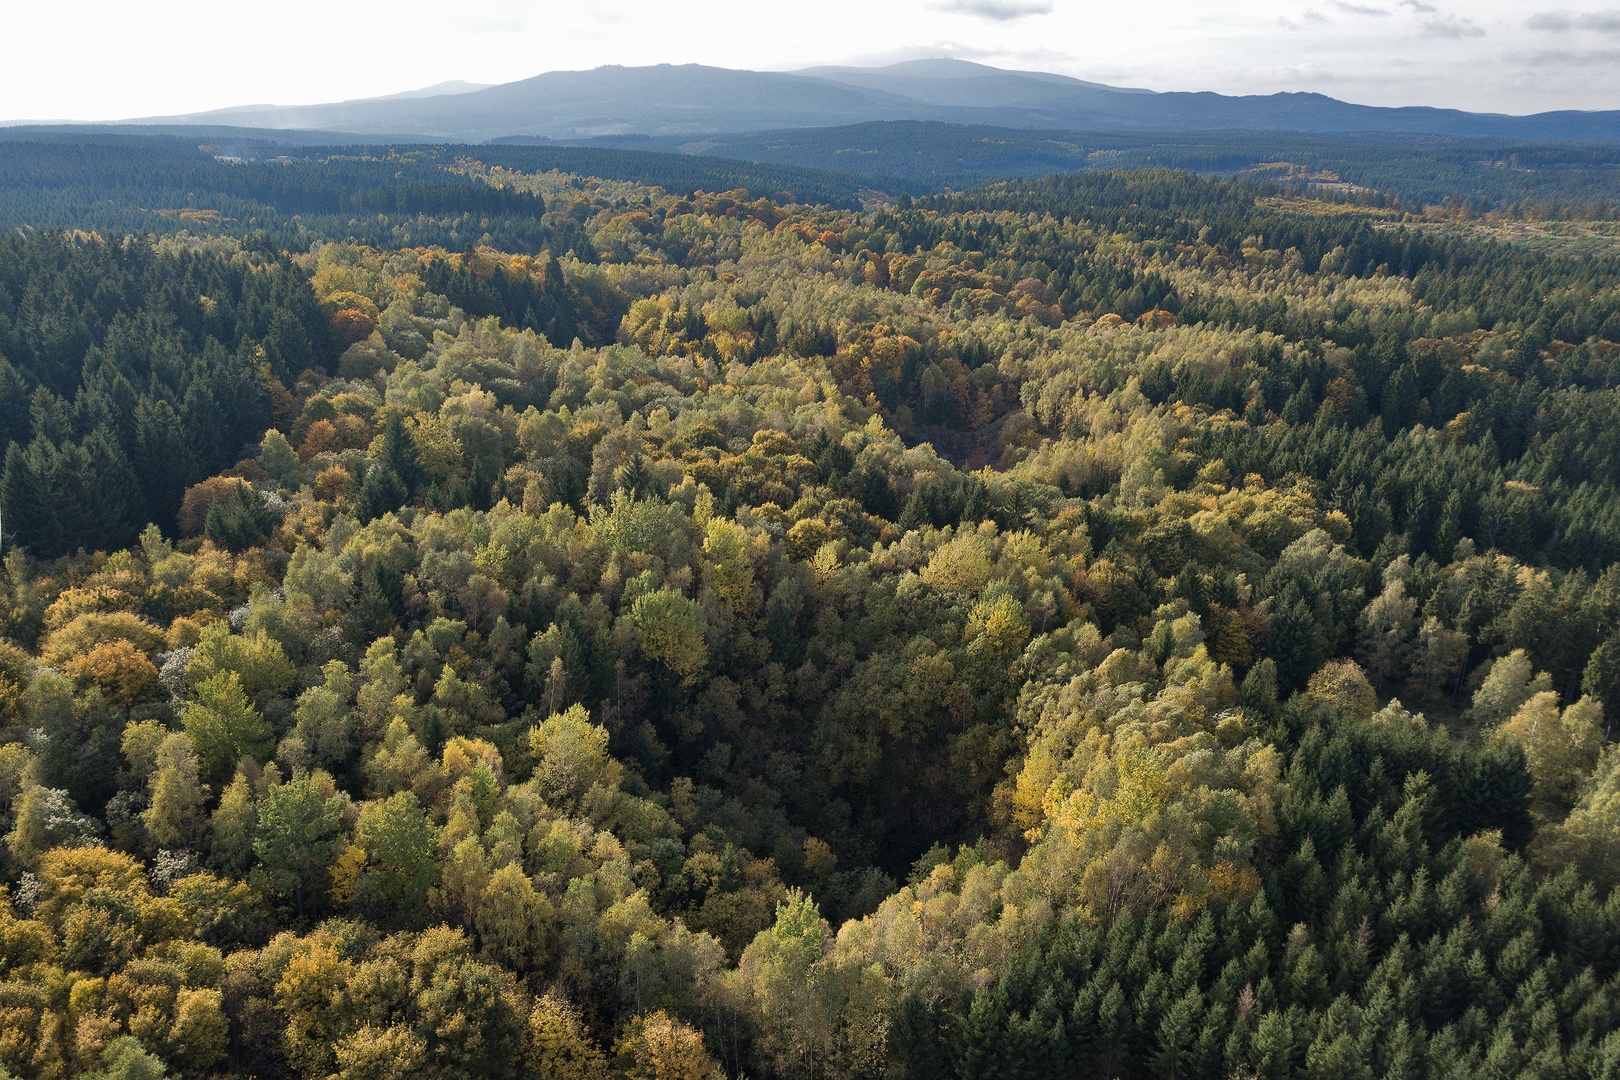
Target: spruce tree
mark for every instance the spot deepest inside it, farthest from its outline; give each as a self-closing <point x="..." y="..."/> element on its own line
<point x="381" y="492"/>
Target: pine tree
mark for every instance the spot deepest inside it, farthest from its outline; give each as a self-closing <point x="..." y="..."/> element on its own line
<point x="1601" y="677"/>
<point x="982" y="1047"/>
<point x="398" y="451"/>
<point x="635" y="478"/>
<point x="162" y="458"/>
<point x="14" y="420"/>
<point x="382" y="492"/>
<point x="25" y="500"/>
<point x="1178" y="1032"/>
<point x="1293" y="641"/>
<point x="480" y="488"/>
<point x="1273" y="1047"/>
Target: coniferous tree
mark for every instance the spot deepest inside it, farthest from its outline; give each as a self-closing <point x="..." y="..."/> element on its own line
<point x="381" y="492"/>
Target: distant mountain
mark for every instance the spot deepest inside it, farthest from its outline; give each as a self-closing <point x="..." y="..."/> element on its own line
<point x="444" y="89"/>
<point x="960" y="84"/>
<point x="695" y="100"/>
<point x="666" y="99"/>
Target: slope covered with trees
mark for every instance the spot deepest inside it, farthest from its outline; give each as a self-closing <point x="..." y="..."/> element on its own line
<point x="387" y="196"/>
<point x="129" y="371"/>
<point x="1418" y="169"/>
<point x="1114" y="625"/>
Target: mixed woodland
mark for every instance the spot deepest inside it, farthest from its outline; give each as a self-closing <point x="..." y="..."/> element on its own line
<point x="510" y="623"/>
<point x="1491" y="174"/>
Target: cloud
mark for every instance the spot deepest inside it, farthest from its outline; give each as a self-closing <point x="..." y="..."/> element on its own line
<point x="1560" y="59"/>
<point x="1419" y="6"/>
<point x="498" y="24"/>
<point x="995" y="10"/>
<point x="1293" y="75"/>
<point x="1604" y="22"/>
<point x="1451" y="26"/>
<point x="1311" y="15"/>
<point x="1034" y="59"/>
<point x="1359" y="9"/>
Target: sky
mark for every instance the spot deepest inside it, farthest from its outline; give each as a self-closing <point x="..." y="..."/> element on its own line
<point x="115" y="59"/>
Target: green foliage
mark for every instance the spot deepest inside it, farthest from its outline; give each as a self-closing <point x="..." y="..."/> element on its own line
<point x="570" y="754"/>
<point x="225" y="728"/>
<point x="238" y="521"/>
<point x="381" y="493"/>
<point x="257" y="659"/>
<point x="297" y="840"/>
<point x="670" y="629"/>
<point x="105" y="429"/>
<point x="276" y="456"/>
<point x="400" y="869"/>
<point x="126" y="1059"/>
<point x="642" y="673"/>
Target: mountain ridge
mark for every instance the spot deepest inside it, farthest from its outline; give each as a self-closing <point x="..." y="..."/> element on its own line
<point x="694" y="99"/>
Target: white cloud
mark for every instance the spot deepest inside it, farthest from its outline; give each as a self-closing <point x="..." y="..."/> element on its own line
<point x="1560" y="60"/>
<point x="1603" y="22"/>
<point x="1293" y="76"/>
<point x="170" y="56"/>
<point x="1451" y="26"/>
<point x="1311" y="17"/>
<point x="995" y="10"/>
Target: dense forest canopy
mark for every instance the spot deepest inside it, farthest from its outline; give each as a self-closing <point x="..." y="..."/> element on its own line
<point x="1118" y="624"/>
<point x="1419" y="170"/>
<point x="380" y="195"/>
<point x="241" y="181"/>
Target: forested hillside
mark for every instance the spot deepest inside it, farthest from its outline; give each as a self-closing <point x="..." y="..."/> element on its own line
<point x="129" y="371"/>
<point x="295" y="195"/>
<point x="1419" y="170"/>
<point x="1116" y="625"/>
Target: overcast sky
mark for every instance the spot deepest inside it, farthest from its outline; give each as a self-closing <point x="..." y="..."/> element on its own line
<point x="107" y="59"/>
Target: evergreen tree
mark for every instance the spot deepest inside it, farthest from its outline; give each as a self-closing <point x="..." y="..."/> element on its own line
<point x="381" y="492"/>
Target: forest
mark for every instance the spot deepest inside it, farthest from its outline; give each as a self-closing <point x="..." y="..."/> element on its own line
<point x="384" y="196"/>
<point x="925" y="157"/>
<point x="482" y="619"/>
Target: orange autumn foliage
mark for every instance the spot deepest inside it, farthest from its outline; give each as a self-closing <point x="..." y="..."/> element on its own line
<point x="333" y="483"/>
<point x="350" y="325"/>
<point x="322" y="438"/>
<point x="93" y="629"/>
<point x="200" y="498"/>
<point x="119" y="670"/>
<point x="330" y="436"/>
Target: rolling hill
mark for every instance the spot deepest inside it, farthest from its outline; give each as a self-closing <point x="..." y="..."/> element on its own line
<point x="693" y="99"/>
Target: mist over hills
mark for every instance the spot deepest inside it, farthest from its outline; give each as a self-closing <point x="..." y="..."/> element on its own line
<point x="690" y="99"/>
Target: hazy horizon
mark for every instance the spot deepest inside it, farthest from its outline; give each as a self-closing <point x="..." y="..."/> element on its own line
<point x="1496" y="57"/>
